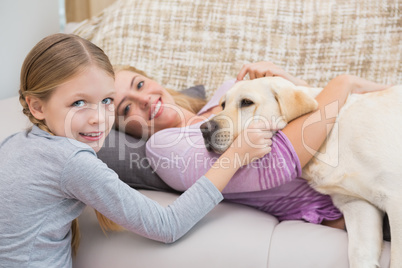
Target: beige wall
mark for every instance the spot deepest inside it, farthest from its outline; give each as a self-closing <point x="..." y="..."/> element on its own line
<point x="79" y="10"/>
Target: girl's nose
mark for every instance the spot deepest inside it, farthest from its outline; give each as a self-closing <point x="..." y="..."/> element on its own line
<point x="97" y="115"/>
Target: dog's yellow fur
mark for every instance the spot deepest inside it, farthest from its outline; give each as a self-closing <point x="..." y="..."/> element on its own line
<point x="361" y="164"/>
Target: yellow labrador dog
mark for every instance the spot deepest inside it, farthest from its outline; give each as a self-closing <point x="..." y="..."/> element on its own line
<point x="359" y="165"/>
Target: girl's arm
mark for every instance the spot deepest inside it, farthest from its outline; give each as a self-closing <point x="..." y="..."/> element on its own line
<point x="87" y="179"/>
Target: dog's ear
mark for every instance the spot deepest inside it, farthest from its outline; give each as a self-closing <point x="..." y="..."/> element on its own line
<point x="293" y="103"/>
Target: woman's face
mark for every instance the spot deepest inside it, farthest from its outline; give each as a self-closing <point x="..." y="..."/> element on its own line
<point x="143" y="107"/>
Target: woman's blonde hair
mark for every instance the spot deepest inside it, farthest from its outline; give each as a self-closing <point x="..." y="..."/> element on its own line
<point x="191" y="104"/>
<point x="52" y="62"/>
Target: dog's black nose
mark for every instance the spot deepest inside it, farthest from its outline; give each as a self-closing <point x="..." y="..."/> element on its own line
<point x="208" y="129"/>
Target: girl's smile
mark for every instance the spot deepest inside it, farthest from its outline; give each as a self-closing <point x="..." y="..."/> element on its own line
<point x="92" y="136"/>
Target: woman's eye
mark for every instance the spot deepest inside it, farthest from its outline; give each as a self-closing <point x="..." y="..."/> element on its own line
<point x="140" y="85"/>
<point x="126" y="110"/>
<point x="107" y="101"/>
<point x="79" y="103"/>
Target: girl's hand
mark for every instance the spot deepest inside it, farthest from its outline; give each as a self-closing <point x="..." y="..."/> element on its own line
<point x="264" y="69"/>
<point x="360" y="85"/>
<point x="253" y="143"/>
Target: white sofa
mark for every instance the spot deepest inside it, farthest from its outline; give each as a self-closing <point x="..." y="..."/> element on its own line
<point x="231" y="235"/>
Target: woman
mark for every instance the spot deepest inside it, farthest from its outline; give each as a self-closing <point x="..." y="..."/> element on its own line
<point x="176" y="148"/>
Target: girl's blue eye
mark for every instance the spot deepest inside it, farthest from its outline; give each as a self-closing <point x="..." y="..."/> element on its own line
<point x="79" y="103"/>
<point x="140" y="85"/>
<point x="107" y="101"/>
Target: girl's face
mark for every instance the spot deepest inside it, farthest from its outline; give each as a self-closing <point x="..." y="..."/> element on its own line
<point x="143" y="107"/>
<point x="82" y="108"/>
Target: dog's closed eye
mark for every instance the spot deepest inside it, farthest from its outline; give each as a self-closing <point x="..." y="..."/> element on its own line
<point x="223" y="105"/>
<point x="246" y="103"/>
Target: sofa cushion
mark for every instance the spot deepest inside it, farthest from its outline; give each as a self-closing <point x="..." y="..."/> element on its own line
<point x="231" y="236"/>
<point x="183" y="43"/>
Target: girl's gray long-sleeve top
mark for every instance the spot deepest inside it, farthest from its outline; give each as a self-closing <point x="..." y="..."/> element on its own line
<point x="45" y="183"/>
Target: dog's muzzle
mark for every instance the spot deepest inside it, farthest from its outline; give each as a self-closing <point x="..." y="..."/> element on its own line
<point x="207" y="130"/>
<point x="215" y="139"/>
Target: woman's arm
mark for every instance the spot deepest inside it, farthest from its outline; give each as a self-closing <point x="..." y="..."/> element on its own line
<point x="305" y="136"/>
<point x="307" y="133"/>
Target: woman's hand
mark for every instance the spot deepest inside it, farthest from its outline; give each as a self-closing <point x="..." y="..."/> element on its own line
<point x="264" y="69"/>
<point x="252" y="143"/>
<point x="360" y="85"/>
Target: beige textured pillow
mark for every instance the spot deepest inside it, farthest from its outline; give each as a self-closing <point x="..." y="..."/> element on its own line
<point x="182" y="43"/>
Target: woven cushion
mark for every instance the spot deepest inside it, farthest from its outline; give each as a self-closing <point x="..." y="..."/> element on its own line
<point x="187" y="42"/>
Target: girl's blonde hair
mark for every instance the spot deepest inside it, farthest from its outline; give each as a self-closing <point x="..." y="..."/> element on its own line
<point x="191" y="104"/>
<point x="55" y="60"/>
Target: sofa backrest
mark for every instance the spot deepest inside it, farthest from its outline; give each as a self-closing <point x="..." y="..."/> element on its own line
<point x="181" y="43"/>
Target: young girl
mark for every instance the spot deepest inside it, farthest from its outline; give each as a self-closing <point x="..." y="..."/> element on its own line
<point x="50" y="172"/>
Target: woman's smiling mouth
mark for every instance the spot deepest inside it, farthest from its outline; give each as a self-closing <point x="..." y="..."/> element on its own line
<point x="157" y="109"/>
